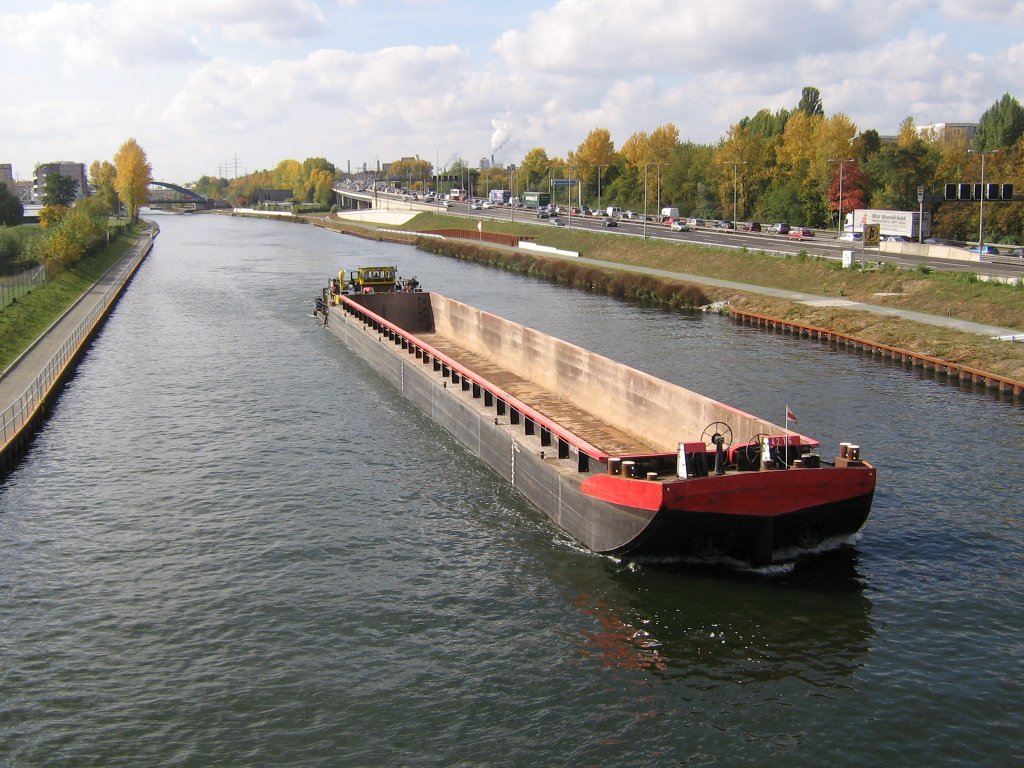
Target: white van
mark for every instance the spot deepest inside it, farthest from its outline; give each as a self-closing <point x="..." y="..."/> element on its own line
<point x="614" y="211"/>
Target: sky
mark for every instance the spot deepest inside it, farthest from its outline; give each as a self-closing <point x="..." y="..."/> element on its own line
<point x="227" y="87"/>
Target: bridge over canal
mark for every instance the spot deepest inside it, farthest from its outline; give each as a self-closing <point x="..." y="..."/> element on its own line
<point x="165" y="195"/>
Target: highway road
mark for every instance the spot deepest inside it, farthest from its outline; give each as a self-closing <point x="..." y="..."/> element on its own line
<point x="822" y="244"/>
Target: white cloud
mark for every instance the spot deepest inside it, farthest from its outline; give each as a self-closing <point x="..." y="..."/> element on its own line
<point x="404" y="80"/>
<point x="175" y="73"/>
<point x="86" y="37"/>
<point x="266" y="21"/>
<point x="998" y="11"/>
<point x="672" y="39"/>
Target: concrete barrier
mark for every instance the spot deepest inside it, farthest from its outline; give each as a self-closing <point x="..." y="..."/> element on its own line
<point x="256" y="212"/>
<point x="393" y="217"/>
<point x="928" y="250"/>
<point x="527" y="246"/>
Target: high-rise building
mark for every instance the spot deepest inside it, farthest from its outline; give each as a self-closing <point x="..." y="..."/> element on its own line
<point x="947" y="130"/>
<point x="75" y="171"/>
<point x="7" y="176"/>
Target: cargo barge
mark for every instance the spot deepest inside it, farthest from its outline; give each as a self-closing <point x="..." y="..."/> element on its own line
<point x="625" y="463"/>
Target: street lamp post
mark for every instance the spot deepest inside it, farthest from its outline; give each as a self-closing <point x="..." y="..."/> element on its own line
<point x="599" y="185"/>
<point x="981" y="198"/>
<point x="842" y="167"/>
<point x="646" y="165"/>
<point x="571" y="169"/>
<point x="511" y="207"/>
<point x="659" y="188"/>
<point x="735" y="164"/>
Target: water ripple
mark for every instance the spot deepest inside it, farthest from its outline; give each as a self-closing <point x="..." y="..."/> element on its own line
<point x="233" y="544"/>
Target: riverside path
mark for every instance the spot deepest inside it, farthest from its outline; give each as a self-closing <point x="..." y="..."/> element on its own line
<point x="28" y="384"/>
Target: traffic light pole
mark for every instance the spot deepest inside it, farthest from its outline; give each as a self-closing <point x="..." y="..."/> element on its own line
<point x="920" y="214"/>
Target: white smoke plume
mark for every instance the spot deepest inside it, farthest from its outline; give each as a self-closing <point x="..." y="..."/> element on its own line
<point x="502" y="133"/>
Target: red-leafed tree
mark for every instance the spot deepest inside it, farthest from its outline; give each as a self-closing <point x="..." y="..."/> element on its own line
<point x="853" y="182"/>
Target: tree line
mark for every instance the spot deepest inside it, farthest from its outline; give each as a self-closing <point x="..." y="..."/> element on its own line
<point x="310" y="182"/>
<point x="68" y="229"/>
<point x="795" y="165"/>
<point x="798" y="166"/>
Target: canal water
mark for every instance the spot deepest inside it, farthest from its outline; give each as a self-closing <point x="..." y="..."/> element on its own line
<point x="233" y="544"/>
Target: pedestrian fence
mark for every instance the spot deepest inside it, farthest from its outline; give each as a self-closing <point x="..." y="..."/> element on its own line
<point x="13" y="287"/>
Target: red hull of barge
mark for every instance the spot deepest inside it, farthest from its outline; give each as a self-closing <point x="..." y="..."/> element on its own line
<point x="754" y="517"/>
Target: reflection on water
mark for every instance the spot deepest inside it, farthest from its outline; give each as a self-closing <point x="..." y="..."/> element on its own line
<point x="615" y="643"/>
<point x="724" y="627"/>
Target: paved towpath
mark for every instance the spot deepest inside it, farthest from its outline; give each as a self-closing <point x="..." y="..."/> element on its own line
<point x="32" y="372"/>
<point x="818" y="301"/>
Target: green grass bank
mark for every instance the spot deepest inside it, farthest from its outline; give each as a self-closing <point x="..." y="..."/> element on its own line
<point x="22" y="322"/>
<point x="952" y="294"/>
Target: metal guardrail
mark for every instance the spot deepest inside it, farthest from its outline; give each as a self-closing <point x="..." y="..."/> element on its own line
<point x="22" y="411"/>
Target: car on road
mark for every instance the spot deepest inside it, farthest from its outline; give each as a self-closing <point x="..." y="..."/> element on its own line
<point x="695" y="222"/>
<point x="851" y="237"/>
<point x="556" y="221"/>
<point x="801" y="232"/>
<point x="723" y="224"/>
<point x="679" y="226"/>
<point x="896" y="239"/>
<point x="751" y="227"/>
<point x="475" y="206"/>
<point x="543" y="213"/>
<point x="1018" y="252"/>
<point x="779" y="229"/>
<point x="987" y="250"/>
<point x="608" y="221"/>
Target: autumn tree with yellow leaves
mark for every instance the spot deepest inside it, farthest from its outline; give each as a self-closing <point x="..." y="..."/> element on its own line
<point x="133" y="178"/>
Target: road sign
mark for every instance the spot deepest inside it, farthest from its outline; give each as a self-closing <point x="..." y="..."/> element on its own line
<point x="871" y="234"/>
<point x="563" y="182"/>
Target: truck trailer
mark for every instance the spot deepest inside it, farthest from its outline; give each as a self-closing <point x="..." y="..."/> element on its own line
<point x="890" y="223"/>
<point x="536" y="199"/>
<point x="499" y="196"/>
